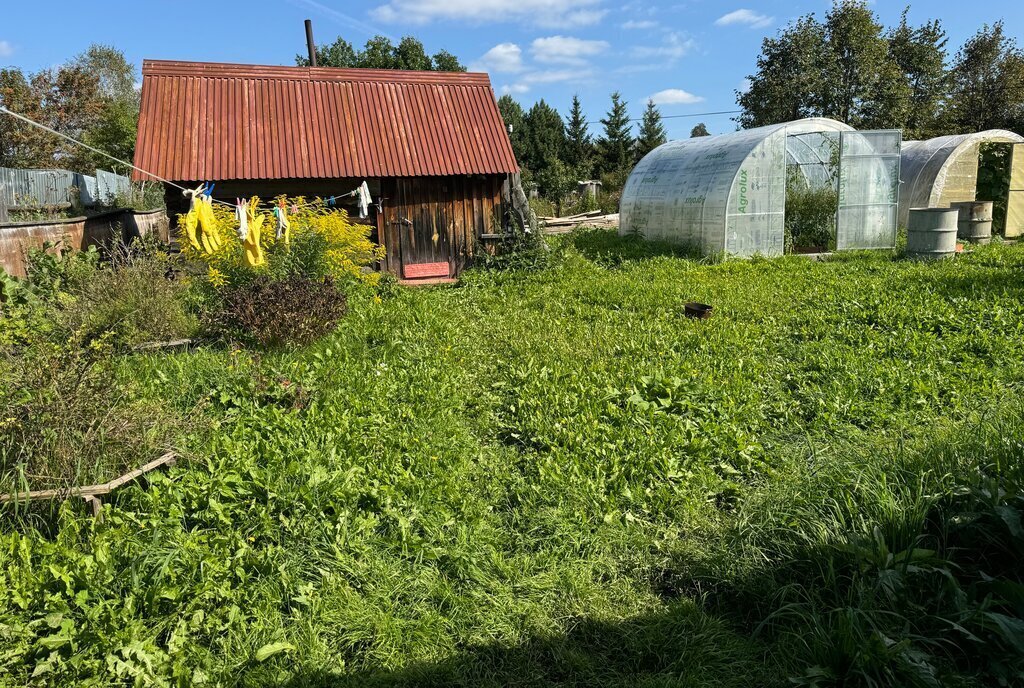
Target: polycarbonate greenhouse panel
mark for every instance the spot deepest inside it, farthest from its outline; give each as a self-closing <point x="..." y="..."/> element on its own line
<point x="817" y="155"/>
<point x="728" y="192"/>
<point x="869" y="174"/>
<point x="756" y="207"/>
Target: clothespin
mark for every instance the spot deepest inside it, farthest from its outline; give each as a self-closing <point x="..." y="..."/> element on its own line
<point x="330" y="201"/>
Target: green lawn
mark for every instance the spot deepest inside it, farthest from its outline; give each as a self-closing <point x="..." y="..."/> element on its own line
<point x="555" y="477"/>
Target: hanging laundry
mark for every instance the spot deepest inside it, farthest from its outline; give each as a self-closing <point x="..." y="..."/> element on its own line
<point x="207" y="225"/>
<point x="192" y="217"/>
<point x="242" y="215"/>
<point x="253" y="250"/>
<point x="363" y="192"/>
<point x="283" y="226"/>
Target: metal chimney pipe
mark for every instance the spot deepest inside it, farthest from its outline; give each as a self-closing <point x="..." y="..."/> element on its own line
<point x="310" y="44"/>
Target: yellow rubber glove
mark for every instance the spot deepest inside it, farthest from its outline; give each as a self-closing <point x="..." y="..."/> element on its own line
<point x="191" y="220"/>
<point x="253" y="250"/>
<point x="207" y="225"/>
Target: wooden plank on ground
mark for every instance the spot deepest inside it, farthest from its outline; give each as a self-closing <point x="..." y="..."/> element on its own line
<point x="89" y="491"/>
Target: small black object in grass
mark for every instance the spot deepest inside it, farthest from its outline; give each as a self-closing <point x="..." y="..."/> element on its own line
<point x="701" y="311"/>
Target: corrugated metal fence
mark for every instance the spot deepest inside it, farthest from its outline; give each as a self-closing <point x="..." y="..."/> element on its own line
<point x="55" y="187"/>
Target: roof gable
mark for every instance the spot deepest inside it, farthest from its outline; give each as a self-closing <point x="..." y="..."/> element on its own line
<point x="207" y="121"/>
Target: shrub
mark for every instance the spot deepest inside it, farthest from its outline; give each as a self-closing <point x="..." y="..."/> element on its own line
<point x="292" y="310"/>
<point x="52" y="270"/>
<point x="135" y="298"/>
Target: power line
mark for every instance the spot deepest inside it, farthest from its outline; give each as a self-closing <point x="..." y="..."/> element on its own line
<point x="33" y="123"/>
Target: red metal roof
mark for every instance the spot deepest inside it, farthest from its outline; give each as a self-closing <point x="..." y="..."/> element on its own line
<point x="206" y="121"/>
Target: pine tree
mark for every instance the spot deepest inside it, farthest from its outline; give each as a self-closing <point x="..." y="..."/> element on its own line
<point x="579" y="147"/>
<point x="545" y="141"/>
<point x="514" y="118"/>
<point x="652" y="131"/>
<point x="699" y="130"/>
<point x="615" y="147"/>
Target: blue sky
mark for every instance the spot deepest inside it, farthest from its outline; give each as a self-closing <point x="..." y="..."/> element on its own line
<point x="690" y="55"/>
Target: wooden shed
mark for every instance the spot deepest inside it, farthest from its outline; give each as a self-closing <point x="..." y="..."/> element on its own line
<point x="431" y="146"/>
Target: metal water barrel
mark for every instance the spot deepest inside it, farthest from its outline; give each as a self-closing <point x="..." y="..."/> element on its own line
<point x="931" y="233"/>
<point x="975" y="223"/>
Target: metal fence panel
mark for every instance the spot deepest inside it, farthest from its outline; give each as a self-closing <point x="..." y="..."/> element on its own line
<point x="108" y="185"/>
<point x="36" y="187"/>
<point x="88" y="191"/>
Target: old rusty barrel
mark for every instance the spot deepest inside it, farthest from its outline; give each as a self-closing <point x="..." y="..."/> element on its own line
<point x="931" y="233"/>
<point x="975" y="222"/>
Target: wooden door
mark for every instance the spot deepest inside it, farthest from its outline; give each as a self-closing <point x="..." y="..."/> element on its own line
<point x="425" y="248"/>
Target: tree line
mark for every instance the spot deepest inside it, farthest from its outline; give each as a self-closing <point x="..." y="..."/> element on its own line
<point x="850" y="67"/>
<point x="555" y="153"/>
<point x="91" y="98"/>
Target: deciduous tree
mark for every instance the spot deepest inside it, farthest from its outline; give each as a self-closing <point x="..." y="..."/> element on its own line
<point x="987" y="83"/>
<point x="380" y="53"/>
<point x="920" y="54"/>
<point x="699" y="130"/>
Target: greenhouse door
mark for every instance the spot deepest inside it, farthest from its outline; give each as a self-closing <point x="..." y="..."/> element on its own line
<point x="869" y="180"/>
<point x="1015" y="197"/>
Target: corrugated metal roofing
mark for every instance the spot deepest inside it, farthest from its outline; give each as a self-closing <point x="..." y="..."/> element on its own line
<point x="208" y="121"/>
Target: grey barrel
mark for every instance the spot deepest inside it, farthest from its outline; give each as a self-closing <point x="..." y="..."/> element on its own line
<point x="931" y="233"/>
<point x="975" y="221"/>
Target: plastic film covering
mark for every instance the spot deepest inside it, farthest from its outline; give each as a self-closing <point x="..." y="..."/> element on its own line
<point x="722" y="193"/>
<point x="944" y="170"/>
<point x="869" y="180"/>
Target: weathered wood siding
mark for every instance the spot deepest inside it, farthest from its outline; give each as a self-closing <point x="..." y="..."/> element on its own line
<point x="438" y="219"/>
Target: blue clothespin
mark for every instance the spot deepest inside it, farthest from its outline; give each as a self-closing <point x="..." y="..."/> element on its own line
<point x="209" y="192"/>
<point x="330" y="201"/>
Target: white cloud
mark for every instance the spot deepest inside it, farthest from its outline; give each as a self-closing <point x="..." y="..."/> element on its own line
<point x="675" y="96"/>
<point x="749" y="17"/>
<point x="552" y="76"/>
<point x="546" y="13"/>
<point x="673" y="47"/>
<point x="504" y="57"/>
<point x="566" y="49"/>
<point x="744" y="86"/>
<point x="548" y="76"/>
<point x="6" y="49"/>
<point x="639" y="24"/>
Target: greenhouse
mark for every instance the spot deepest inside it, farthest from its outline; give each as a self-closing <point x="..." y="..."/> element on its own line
<point x="729" y="193"/>
<point x="986" y="166"/>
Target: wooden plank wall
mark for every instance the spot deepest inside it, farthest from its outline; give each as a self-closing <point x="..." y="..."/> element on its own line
<point x="438" y="219"/>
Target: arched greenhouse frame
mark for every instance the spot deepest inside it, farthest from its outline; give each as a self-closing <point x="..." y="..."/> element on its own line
<point x="944" y="170"/>
<point x="727" y="193"/>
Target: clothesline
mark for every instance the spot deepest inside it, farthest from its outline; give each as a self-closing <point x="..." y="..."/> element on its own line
<point x="330" y="200"/>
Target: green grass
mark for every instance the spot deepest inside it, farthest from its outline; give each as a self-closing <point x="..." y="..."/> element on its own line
<point x="555" y="477"/>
